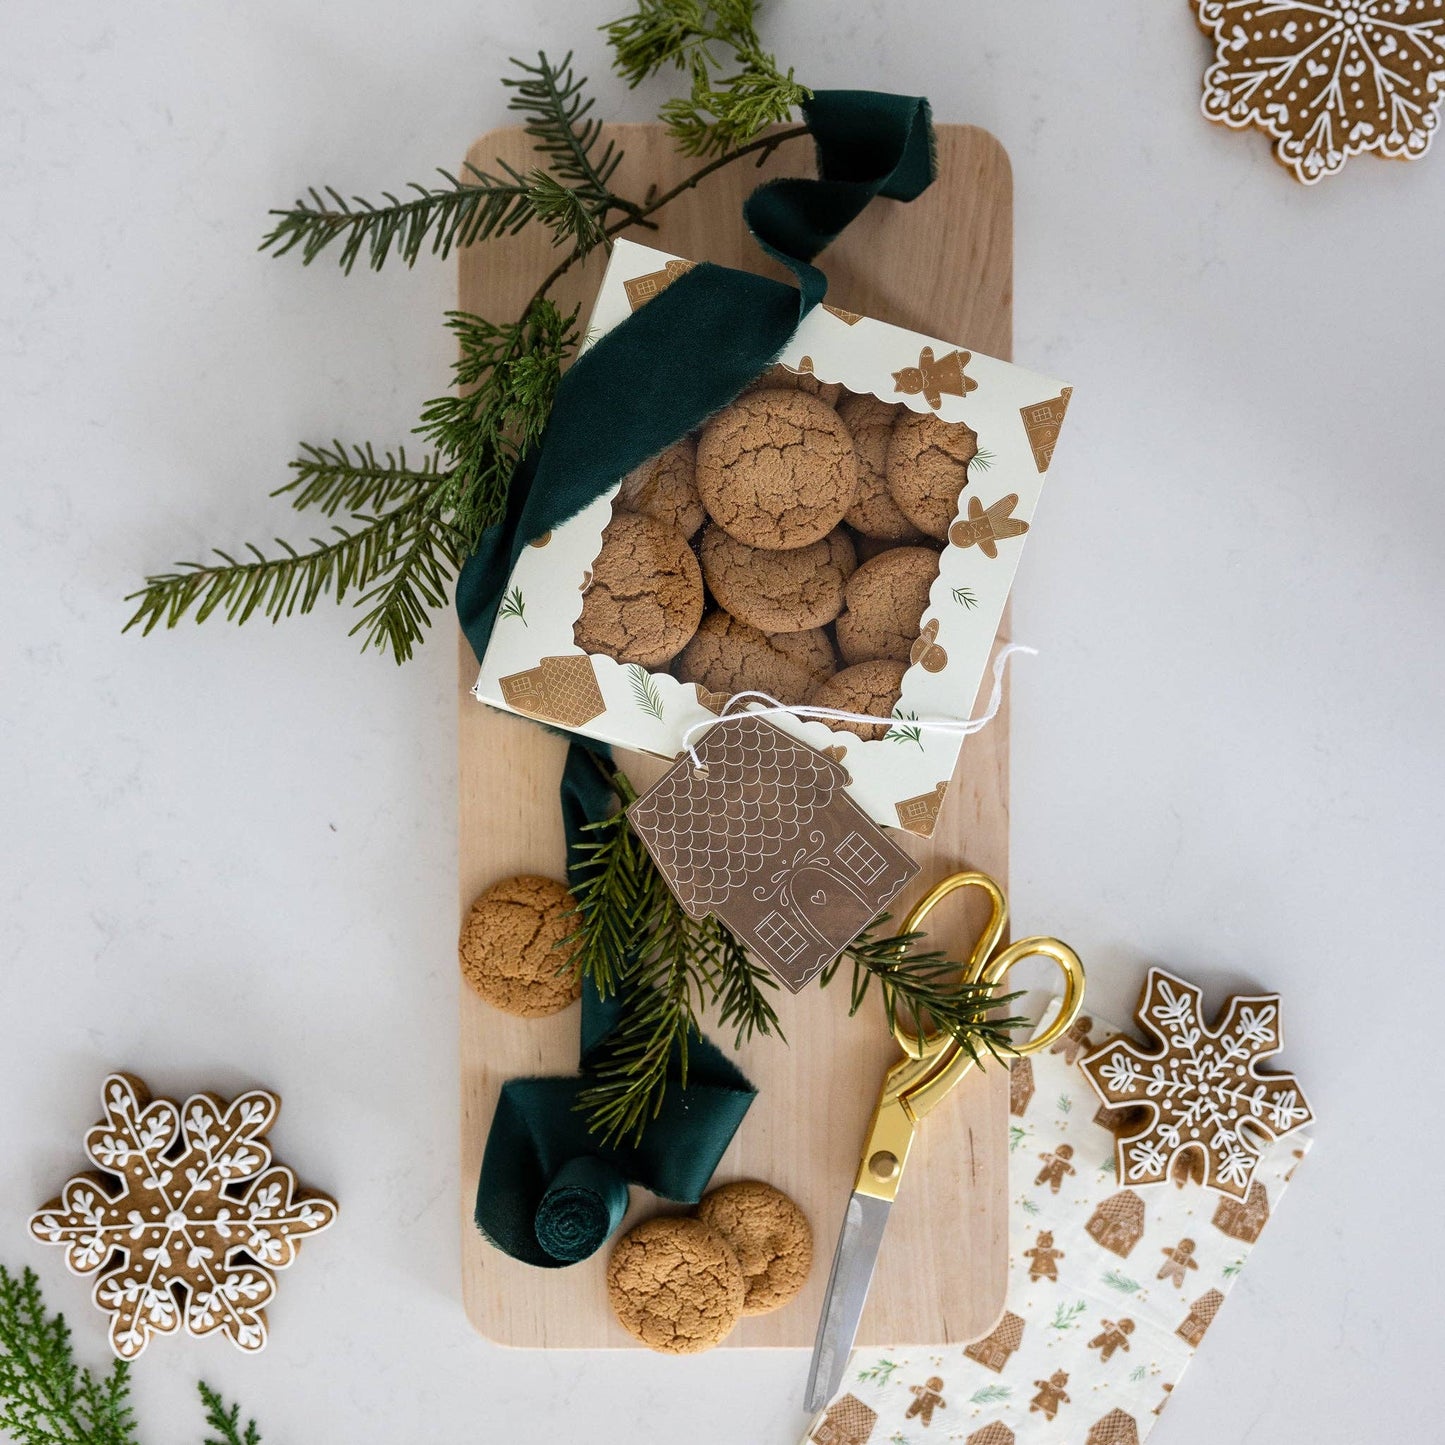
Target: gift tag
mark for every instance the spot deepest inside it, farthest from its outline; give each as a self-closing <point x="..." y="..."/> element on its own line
<point x="755" y="827"/>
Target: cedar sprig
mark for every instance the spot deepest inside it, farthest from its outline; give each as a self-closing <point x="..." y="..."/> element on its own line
<point x="720" y="111"/>
<point x="923" y="990"/>
<point x="48" y="1398"/>
<point x="635" y="942"/>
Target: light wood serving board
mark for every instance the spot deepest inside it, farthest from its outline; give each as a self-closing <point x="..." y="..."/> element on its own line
<point x="942" y="265"/>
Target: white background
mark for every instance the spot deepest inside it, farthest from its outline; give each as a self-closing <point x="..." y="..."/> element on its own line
<point x="228" y="857"/>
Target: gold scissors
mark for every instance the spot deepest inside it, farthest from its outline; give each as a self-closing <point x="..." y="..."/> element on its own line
<point x="932" y="1064"/>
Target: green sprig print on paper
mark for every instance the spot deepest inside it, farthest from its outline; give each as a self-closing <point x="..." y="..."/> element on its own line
<point x="1066" y="1104"/>
<point x="1121" y="1282"/>
<point x="1016" y="1136"/>
<point x="878" y="1373"/>
<point x="1066" y="1317"/>
<point x="904" y="734"/>
<point x="1028" y="1206"/>
<point x="644" y="690"/>
<point x="1233" y="1268"/>
<point x="982" y="459"/>
<point x="965" y="597"/>
<point x="514" y="606"/>
<point x="1138" y="1373"/>
<point x="990" y="1395"/>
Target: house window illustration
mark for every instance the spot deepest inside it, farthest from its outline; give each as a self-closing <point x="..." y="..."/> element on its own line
<point x="781" y="937"/>
<point x="860" y="858"/>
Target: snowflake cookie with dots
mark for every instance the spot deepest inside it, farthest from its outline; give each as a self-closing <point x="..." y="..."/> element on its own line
<point x="187" y="1219"/>
<point x="1200" y="1089"/>
<point x="1328" y="79"/>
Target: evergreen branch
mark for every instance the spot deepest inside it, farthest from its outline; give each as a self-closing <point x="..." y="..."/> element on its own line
<point x="737" y="984"/>
<point x="720" y="112"/>
<point x="46" y="1398"/>
<point x="453" y="216"/>
<point x="354" y="479"/>
<point x="279" y="586"/>
<point x="920" y="989"/>
<point x="413" y="587"/>
<point x="226" y="1422"/>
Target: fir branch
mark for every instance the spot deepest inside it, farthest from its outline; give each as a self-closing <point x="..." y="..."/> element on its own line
<point x="635" y="943"/>
<point x="399" y="562"/>
<point x="226" y="1422"/>
<point x="452" y="217"/>
<point x="720" y="111"/>
<point x="505" y="377"/>
<point x="923" y="988"/>
<point x="46" y="1398"/>
<point x="354" y="479"/>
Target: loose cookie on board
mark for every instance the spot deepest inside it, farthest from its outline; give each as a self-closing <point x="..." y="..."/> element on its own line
<point x="676" y="1285"/>
<point x="513" y="947"/>
<point x="1329" y="79"/>
<point x="770" y="1236"/>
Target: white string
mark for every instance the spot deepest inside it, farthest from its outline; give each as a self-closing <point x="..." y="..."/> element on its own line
<point x="963" y="727"/>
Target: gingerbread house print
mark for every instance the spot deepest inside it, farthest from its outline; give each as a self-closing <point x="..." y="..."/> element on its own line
<point x="1020" y="1085"/>
<point x="848" y="1422"/>
<point x="1115" y="1428"/>
<point x="559" y="689"/>
<point x="919" y="814"/>
<point x="993" y="1351"/>
<point x="1043" y="421"/>
<point x="1243" y="1219"/>
<point x="772" y="846"/>
<point x="641" y="289"/>
<point x="1200" y="1317"/>
<point x="1118" y="1223"/>
<point x="996" y="1433"/>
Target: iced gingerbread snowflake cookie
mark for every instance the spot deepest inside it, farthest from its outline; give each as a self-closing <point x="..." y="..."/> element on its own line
<point x="1329" y="79"/>
<point x="1202" y="1088"/>
<point x="186" y="1220"/>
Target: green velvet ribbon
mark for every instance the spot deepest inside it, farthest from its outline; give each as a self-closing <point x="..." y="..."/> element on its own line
<point x="549" y="1193"/>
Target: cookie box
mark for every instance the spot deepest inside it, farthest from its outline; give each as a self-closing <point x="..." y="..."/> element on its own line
<point x="843" y="535"/>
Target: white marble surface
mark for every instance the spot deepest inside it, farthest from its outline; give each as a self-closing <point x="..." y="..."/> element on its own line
<point x="228" y="856"/>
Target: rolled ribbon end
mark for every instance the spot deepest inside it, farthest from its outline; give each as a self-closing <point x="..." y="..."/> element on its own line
<point x="583" y="1204"/>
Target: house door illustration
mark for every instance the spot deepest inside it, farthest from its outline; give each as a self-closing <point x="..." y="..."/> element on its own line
<point x="828" y="905"/>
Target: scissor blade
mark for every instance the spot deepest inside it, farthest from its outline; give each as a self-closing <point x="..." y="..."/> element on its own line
<point x="858" y="1243"/>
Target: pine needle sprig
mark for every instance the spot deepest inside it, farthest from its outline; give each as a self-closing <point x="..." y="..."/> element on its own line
<point x="635" y="943"/>
<point x="46" y="1398"/>
<point x="353" y="479"/>
<point x="505" y="378"/>
<point x="720" y="111"/>
<point x="278" y="586"/>
<point x="226" y="1422"/>
<point x="923" y="990"/>
<point x="450" y="217"/>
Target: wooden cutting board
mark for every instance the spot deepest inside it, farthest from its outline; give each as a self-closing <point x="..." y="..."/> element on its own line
<point x="942" y="265"/>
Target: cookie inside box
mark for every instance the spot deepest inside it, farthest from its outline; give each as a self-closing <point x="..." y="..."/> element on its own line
<point x="788" y="547"/>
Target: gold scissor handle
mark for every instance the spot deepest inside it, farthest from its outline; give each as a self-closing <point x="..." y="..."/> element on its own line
<point x="934" y="1062"/>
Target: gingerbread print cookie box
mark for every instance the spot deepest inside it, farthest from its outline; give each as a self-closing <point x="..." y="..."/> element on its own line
<point x="610" y="628"/>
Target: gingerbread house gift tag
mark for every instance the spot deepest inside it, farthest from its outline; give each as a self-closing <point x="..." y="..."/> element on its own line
<point x="755" y="827"/>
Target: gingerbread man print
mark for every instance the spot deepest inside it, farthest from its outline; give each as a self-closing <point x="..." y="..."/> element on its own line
<point x="1056" y="1165"/>
<point x="1176" y="1261"/>
<point x="926" y="1400"/>
<point x="1051" y="1394"/>
<point x="1044" y="1257"/>
<point x="937" y="377"/>
<point x="1112" y="1337"/>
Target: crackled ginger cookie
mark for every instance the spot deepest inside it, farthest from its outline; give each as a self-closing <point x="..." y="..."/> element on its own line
<point x="776" y="469"/>
<point x="675" y="1284"/>
<point x="728" y="656"/>
<point x="867" y="687"/>
<point x="886" y="598"/>
<point x="778" y="591"/>
<point x="783" y="378"/>
<point x="645" y="598"/>
<point x="874" y="513"/>
<point x="663" y="487"/>
<point x="513" y="947"/>
<point x="770" y="1236"/>
<point x="928" y="467"/>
